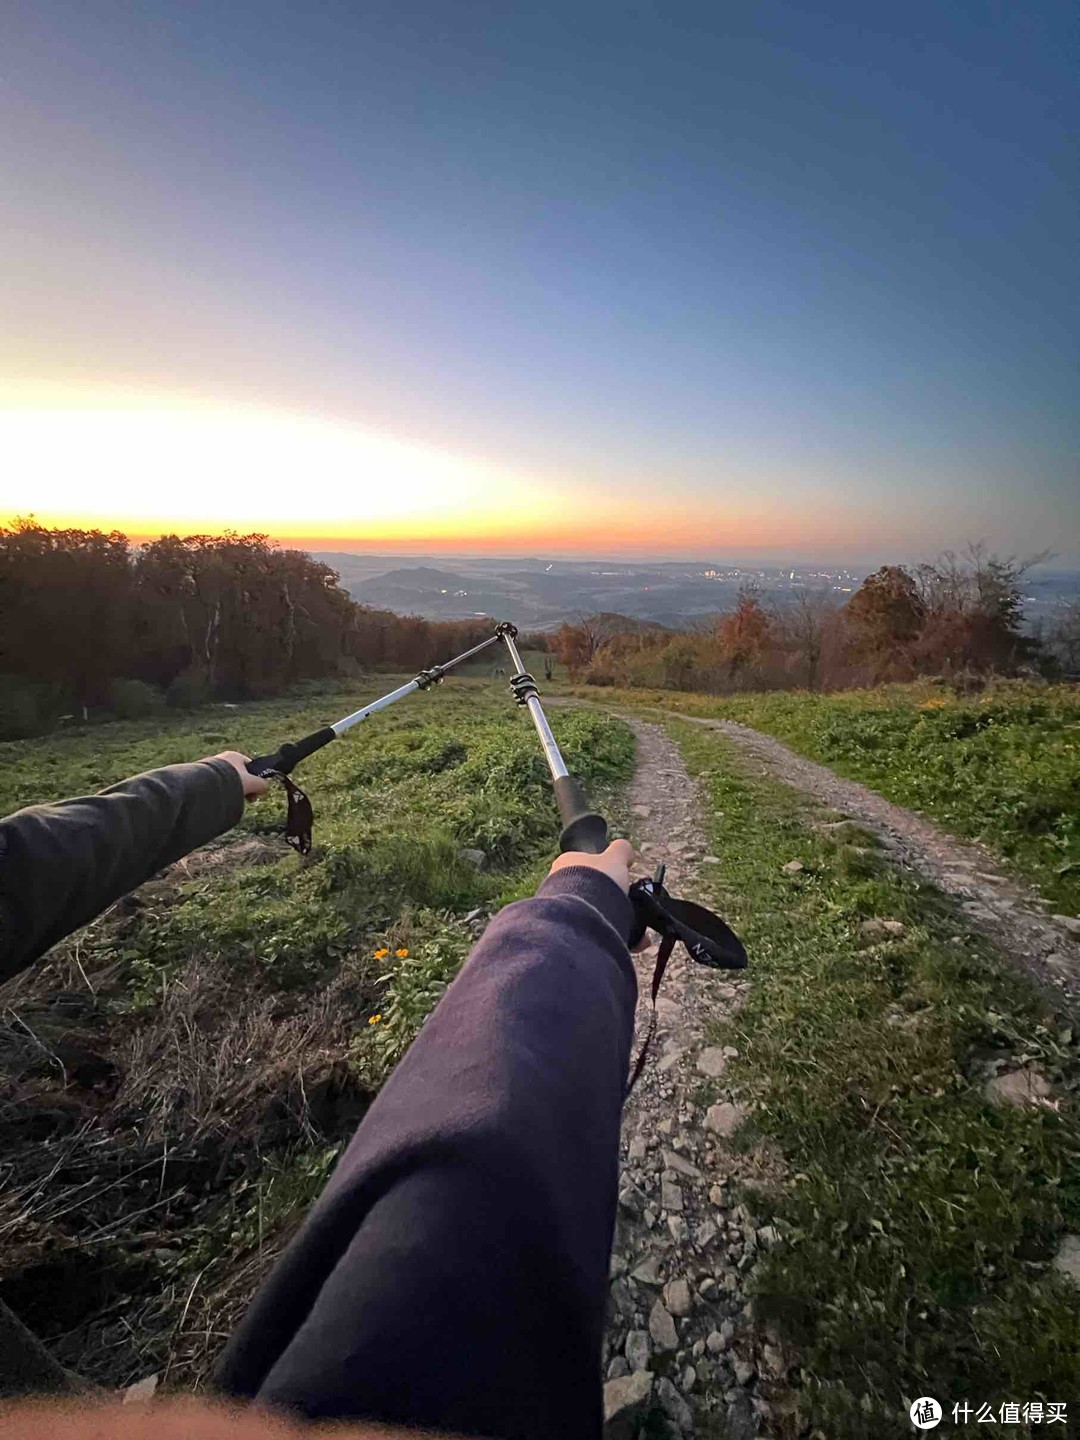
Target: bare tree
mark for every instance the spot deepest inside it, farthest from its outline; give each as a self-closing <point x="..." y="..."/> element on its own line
<point x="1063" y="637"/>
<point x="803" y="624"/>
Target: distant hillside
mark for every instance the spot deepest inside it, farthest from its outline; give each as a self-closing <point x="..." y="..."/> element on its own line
<point x="422" y="580"/>
<point x="539" y="594"/>
<point x="426" y="591"/>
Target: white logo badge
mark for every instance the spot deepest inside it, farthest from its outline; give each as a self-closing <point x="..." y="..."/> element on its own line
<point x="925" y="1413"/>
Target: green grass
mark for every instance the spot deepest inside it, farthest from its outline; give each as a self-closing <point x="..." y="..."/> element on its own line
<point x="1002" y="767"/>
<point x="232" y="999"/>
<point x="396" y="802"/>
<point x="919" y="1220"/>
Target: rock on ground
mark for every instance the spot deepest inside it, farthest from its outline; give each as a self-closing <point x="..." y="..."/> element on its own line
<point x="677" y="1297"/>
<point x="725" y="1118"/>
<point x="712" y="1061"/>
<point x="879" y="929"/>
<point x="674" y="1405"/>
<point x="1018" y="1087"/>
<point x="624" y="1399"/>
<point x="662" y="1327"/>
<point x="638" y="1350"/>
<point x="1067" y="1260"/>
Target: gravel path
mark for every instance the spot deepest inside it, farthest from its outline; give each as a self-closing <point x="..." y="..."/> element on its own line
<point x="1008" y="912"/>
<point x="681" y="1338"/>
<point x="679" y="1334"/>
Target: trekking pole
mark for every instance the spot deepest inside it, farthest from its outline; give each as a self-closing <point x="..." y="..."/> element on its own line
<point x="287" y="756"/>
<point x="583" y="829"/>
<point x="708" y="939"/>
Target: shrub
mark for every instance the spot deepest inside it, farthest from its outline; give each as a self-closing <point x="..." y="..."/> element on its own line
<point x="134" y="699"/>
<point x="27" y="707"/>
<point x="188" y="690"/>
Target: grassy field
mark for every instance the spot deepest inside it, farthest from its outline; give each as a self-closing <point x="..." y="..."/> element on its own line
<point x="1002" y="767"/>
<point x="179" y="1076"/>
<point x="920" y="1220"/>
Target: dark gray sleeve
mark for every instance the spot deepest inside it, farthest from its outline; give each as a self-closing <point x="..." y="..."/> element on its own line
<point x="454" y="1273"/>
<point x="62" y="864"/>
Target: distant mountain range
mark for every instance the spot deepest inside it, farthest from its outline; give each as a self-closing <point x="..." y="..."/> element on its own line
<point x="540" y="594"/>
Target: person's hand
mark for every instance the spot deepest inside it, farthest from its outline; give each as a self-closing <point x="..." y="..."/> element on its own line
<point x="615" y="862"/>
<point x="254" y="785"/>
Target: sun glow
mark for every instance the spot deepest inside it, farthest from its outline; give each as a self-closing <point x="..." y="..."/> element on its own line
<point x="148" y="467"/>
<point x="150" y="463"/>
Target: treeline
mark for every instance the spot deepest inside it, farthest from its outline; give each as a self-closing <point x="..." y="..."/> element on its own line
<point x="90" y="622"/>
<point x="960" y="616"/>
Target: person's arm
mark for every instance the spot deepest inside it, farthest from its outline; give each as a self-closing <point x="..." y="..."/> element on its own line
<point x="62" y="864"/>
<point x="453" y="1274"/>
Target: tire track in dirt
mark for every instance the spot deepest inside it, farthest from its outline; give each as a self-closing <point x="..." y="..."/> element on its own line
<point x="1008" y="912"/>
<point x="680" y="1338"/>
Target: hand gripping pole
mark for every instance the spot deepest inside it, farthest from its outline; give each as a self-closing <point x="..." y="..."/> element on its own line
<point x="281" y="762"/>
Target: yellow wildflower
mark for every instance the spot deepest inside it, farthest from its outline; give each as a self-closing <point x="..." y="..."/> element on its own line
<point x="374" y="1019"/>
<point x="402" y="954"/>
<point x="381" y="953"/>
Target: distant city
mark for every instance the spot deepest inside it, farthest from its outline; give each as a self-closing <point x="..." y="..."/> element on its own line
<point x="540" y="594"/>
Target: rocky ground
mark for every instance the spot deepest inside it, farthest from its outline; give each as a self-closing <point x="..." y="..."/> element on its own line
<point x="683" y="1353"/>
<point x="681" y="1345"/>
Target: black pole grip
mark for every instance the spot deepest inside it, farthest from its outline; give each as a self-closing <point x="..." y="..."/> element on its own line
<point x="582" y="829"/>
<point x="289" y="755"/>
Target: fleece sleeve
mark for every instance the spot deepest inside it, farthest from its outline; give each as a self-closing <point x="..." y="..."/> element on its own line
<point x="453" y="1275"/>
<point x="63" y="864"/>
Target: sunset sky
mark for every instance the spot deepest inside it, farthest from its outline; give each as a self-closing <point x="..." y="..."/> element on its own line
<point x="721" y="280"/>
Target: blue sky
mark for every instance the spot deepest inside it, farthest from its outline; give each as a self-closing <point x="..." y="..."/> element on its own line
<point x="767" y="278"/>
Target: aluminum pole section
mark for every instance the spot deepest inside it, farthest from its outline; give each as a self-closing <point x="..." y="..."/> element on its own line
<point x="420" y="683"/>
<point x="556" y="764"/>
<point x="340" y="726"/>
<point x="289" y="755"/>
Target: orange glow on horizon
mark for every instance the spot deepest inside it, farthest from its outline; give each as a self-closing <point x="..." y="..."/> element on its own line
<point x="475" y="533"/>
<point x="149" y="464"/>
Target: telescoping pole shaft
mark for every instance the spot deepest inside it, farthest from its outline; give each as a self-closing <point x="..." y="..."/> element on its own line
<point x="289" y="755"/>
<point x="422" y="681"/>
<point x="529" y="696"/>
<point x="583" y="829"/>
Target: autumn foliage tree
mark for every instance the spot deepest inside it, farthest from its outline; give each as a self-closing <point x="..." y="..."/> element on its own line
<point x="884" y="617"/>
<point x="954" y="615"/>
<point x="579" y="643"/>
<point x="198" y="616"/>
<point x="743" y="635"/>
